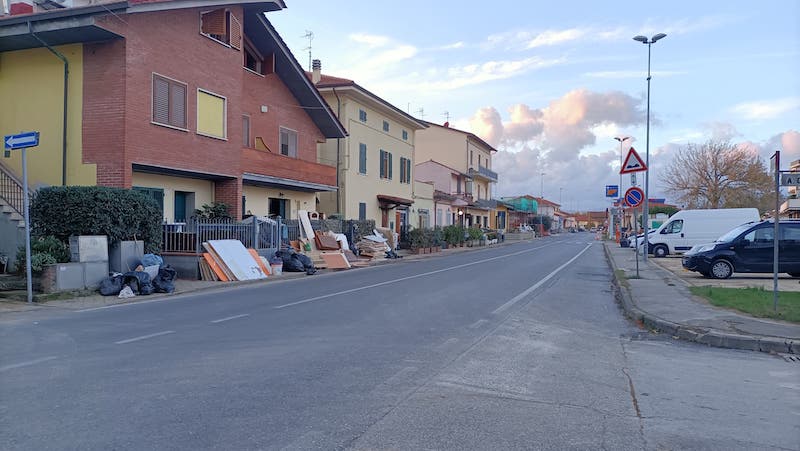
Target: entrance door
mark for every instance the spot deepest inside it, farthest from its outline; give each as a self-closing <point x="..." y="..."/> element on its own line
<point x="277" y="207"/>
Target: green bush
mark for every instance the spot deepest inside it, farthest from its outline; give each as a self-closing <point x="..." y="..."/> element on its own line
<point x="121" y="214"/>
<point x="453" y="234"/>
<point x="475" y="233"/>
<point x="47" y="250"/>
<point x="217" y="210"/>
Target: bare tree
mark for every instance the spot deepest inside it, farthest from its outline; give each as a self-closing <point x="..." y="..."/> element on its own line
<point x="717" y="174"/>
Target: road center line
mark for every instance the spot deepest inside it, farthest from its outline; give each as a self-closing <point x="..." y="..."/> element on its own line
<point x="144" y="337"/>
<point x="28" y="363"/>
<point x="222" y="320"/>
<point x="416" y="276"/>
<point x="522" y="295"/>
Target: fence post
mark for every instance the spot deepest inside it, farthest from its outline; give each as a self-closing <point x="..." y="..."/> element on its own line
<point x="255" y="232"/>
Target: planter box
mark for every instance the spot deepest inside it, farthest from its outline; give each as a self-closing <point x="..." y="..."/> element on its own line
<point x="88" y="248"/>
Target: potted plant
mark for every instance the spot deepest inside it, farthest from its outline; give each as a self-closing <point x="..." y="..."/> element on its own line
<point x="416" y="238"/>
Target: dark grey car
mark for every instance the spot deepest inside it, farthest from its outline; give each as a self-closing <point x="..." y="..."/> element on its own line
<point x="749" y="249"/>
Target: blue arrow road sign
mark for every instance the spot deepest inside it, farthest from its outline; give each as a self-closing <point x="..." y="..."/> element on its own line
<point x="21" y="140"/>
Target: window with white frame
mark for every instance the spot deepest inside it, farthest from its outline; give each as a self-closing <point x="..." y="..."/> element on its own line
<point x="211" y="114"/>
<point x="288" y="142"/>
<point x="169" y="102"/>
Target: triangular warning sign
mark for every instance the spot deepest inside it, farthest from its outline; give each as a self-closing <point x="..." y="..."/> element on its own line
<point x="633" y="163"/>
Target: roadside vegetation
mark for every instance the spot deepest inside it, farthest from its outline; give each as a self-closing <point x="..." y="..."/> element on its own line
<point x="753" y="301"/>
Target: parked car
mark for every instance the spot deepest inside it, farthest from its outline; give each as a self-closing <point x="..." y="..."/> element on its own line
<point x="688" y="228"/>
<point x="749" y="249"/>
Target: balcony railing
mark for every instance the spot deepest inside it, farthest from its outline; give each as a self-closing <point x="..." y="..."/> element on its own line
<point x="483" y="172"/>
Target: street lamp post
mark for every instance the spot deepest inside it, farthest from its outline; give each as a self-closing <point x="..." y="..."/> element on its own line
<point x="646" y="209"/>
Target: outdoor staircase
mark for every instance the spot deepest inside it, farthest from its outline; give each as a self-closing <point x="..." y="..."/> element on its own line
<point x="11" y="197"/>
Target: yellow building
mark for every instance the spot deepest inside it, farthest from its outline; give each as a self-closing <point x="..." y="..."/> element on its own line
<point x="459" y="163"/>
<point x="375" y="162"/>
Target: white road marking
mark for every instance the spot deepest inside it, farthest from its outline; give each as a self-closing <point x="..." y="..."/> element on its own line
<point x="106" y="307"/>
<point x="144" y="337"/>
<point x="28" y="363"/>
<point x="222" y="320"/>
<point x="522" y="295"/>
<point x="402" y="279"/>
<point x="478" y="323"/>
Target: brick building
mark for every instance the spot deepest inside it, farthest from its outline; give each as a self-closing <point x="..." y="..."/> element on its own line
<point x="190" y="104"/>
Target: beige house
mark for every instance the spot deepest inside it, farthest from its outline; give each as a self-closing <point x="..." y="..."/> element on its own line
<point x="459" y="164"/>
<point x="375" y="161"/>
<point x="424" y="208"/>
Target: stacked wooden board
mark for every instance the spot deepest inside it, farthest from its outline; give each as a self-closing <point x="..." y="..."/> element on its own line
<point x="229" y="260"/>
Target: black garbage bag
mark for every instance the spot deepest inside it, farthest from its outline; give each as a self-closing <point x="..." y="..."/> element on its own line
<point x="308" y="265"/>
<point x="111" y="286"/>
<point x="139" y="281"/>
<point x="290" y="261"/>
<point x="164" y="282"/>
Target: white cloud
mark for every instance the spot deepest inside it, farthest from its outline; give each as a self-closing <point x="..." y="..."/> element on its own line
<point x="619" y="74"/>
<point x="766" y="109"/>
<point x="370" y="40"/>
<point x="453" y="46"/>
<point x="554" y="37"/>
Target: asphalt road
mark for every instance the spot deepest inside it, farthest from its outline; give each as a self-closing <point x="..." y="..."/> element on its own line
<point x="512" y="347"/>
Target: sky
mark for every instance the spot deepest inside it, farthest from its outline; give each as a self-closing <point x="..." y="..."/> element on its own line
<point x="550" y="84"/>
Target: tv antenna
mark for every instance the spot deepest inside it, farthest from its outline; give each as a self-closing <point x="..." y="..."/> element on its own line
<point x="310" y="36"/>
<point x="421" y="112"/>
<point x="446" y="115"/>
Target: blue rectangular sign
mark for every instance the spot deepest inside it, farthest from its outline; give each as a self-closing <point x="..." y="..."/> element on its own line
<point x="612" y="191"/>
<point x="21" y="140"/>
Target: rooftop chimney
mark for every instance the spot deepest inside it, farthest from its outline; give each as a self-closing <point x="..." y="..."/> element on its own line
<point x="316" y="71"/>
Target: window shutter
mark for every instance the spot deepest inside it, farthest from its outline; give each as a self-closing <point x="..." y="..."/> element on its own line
<point x="213" y="22"/>
<point x="160" y="100"/>
<point x="293" y="144"/>
<point x="177" y="100"/>
<point x="390" y="165"/>
<point x="408" y="171"/>
<point x="236" y="33"/>
<point x="362" y="158"/>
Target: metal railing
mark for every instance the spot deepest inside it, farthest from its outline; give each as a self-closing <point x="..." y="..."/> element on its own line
<point x="189" y="236"/>
<point x="11" y="189"/>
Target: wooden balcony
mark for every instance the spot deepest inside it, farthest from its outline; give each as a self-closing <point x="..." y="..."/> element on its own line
<point x="264" y="162"/>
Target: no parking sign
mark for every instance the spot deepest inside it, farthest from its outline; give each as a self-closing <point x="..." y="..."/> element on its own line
<point x="634" y="196"/>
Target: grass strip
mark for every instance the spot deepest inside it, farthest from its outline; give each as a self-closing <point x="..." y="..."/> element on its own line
<point x="753" y="301"/>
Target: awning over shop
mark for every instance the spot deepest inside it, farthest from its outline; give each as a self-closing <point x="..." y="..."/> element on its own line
<point x="389" y="202"/>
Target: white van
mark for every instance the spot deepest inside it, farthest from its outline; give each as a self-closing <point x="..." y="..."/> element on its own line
<point x="687" y="228"/>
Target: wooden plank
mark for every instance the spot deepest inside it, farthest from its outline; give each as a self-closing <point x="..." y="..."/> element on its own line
<point x="258" y="260"/>
<point x="219" y="263"/>
<point x="305" y="224"/>
<point x="237" y="259"/>
<point x="214" y="267"/>
<point x="335" y="260"/>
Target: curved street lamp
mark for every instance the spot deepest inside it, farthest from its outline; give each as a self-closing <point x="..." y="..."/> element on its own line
<point x="646" y="210"/>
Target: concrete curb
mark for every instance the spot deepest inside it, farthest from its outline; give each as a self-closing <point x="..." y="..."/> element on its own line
<point x="706" y="336"/>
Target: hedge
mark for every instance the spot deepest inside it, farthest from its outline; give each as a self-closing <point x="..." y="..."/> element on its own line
<point x="121" y="214"/>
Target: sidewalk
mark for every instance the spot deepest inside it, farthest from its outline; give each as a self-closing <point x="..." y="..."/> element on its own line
<point x="182" y="286"/>
<point x="662" y="301"/>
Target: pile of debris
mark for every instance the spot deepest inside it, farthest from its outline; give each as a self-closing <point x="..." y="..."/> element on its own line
<point x="229" y="260"/>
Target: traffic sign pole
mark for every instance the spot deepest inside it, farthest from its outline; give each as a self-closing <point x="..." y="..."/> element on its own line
<point x="26" y="207"/>
<point x="14" y="142"/>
